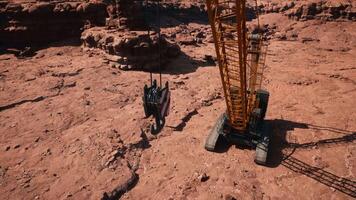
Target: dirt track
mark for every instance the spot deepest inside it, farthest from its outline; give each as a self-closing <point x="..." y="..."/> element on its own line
<point x="72" y="126"/>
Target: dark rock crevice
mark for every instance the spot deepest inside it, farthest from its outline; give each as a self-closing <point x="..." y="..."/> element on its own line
<point x="137" y="149"/>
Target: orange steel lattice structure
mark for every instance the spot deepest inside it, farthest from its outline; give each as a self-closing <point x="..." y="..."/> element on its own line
<point x="241" y="58"/>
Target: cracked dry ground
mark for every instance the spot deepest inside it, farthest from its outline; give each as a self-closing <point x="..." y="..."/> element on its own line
<point x="72" y="127"/>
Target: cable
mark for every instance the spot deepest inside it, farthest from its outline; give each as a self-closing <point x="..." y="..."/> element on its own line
<point x="148" y="30"/>
<point x="148" y="34"/>
<point x="158" y="16"/>
<point x="159" y="43"/>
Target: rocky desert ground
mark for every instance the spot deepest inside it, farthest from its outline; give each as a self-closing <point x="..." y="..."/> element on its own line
<point x="72" y="124"/>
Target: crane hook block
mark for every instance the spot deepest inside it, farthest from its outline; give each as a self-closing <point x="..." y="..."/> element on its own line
<point x="156" y="102"/>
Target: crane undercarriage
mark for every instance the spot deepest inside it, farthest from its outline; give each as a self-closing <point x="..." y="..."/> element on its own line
<point x="255" y="136"/>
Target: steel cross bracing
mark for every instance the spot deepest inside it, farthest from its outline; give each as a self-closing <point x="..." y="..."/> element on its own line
<point x="241" y="60"/>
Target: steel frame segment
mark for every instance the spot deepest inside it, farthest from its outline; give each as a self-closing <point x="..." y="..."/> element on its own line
<point x="256" y="65"/>
<point x="212" y="12"/>
<point x="235" y="81"/>
<point x="232" y="67"/>
<point x="241" y="34"/>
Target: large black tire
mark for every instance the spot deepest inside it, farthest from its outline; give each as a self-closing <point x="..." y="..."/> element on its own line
<point x="215" y="133"/>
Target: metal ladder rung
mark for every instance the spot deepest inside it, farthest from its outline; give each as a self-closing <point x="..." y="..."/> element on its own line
<point x="226" y="16"/>
<point x="224" y="2"/>
<point x="232" y="56"/>
<point x="228" y="42"/>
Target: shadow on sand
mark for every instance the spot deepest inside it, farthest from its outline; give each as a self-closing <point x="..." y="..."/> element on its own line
<point x="30" y="50"/>
<point x="279" y="146"/>
<point x="281" y="151"/>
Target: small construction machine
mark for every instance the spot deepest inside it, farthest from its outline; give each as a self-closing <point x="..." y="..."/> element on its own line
<point x="241" y="56"/>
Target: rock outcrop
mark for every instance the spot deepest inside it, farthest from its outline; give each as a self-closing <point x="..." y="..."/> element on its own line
<point x="324" y="10"/>
<point x="131" y="50"/>
<point x="126" y="14"/>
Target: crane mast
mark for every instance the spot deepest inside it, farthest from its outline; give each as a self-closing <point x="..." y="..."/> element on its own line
<point x="241" y="57"/>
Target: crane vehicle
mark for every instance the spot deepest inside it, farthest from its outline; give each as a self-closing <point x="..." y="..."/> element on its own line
<point x="241" y="56"/>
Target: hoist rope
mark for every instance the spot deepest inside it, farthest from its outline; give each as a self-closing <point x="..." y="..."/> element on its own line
<point x="158" y="16"/>
<point x="159" y="43"/>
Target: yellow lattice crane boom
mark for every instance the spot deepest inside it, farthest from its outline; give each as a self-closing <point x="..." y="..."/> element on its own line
<point x="241" y="57"/>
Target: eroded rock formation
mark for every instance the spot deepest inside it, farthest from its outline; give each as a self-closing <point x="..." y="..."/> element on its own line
<point x="132" y="50"/>
<point x="125" y="38"/>
<point x="324" y="10"/>
<point x="24" y="24"/>
<point x="126" y="14"/>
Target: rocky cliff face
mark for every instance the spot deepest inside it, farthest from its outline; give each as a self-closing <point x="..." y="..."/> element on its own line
<point x="128" y="14"/>
<point x="330" y="10"/>
<point x="24" y="24"/>
<point x="125" y="38"/>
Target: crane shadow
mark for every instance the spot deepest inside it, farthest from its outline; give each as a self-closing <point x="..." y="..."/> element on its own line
<point x="279" y="145"/>
<point x="343" y="185"/>
<point x="281" y="153"/>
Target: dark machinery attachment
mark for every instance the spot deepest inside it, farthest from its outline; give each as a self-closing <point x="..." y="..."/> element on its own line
<point x="156" y="102"/>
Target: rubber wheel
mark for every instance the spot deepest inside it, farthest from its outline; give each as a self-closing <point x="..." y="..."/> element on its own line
<point x="215" y="133"/>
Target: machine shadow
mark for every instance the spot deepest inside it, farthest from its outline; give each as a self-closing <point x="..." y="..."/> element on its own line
<point x="341" y="184"/>
<point x="281" y="151"/>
